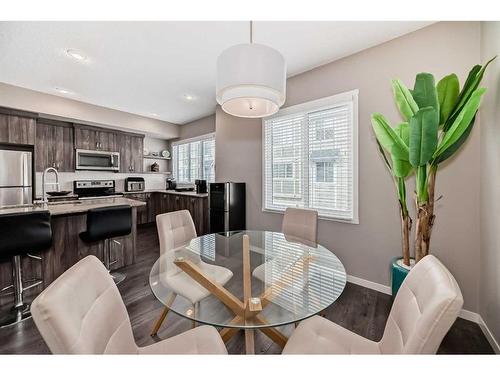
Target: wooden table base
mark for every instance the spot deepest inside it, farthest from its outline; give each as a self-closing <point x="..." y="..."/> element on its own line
<point x="245" y="311"/>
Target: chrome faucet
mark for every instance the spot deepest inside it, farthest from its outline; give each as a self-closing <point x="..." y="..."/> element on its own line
<point x="44" y="184"/>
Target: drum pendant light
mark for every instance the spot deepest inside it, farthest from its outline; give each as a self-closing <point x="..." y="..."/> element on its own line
<point x="251" y="80"/>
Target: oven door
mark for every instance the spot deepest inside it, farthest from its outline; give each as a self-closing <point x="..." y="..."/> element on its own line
<point x="97" y="160"/>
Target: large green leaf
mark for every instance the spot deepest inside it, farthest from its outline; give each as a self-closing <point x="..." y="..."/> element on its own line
<point x="402" y="168"/>
<point x="423" y="136"/>
<point x="471" y="84"/>
<point x="388" y="137"/>
<point x="424" y="92"/>
<point x="447" y="89"/>
<point x="455" y="146"/>
<point x="403" y="130"/>
<point x="461" y="123"/>
<point x="404" y="100"/>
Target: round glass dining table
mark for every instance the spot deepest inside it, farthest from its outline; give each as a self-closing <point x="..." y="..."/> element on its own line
<point x="274" y="280"/>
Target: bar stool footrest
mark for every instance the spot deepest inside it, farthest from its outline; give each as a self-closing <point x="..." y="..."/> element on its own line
<point x="15" y="315"/>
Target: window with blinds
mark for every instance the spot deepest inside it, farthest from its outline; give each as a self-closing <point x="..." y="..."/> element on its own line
<point x="194" y="159"/>
<point x="310" y="157"/>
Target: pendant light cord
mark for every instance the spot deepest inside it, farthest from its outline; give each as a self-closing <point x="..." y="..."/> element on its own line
<point x="251" y="32"/>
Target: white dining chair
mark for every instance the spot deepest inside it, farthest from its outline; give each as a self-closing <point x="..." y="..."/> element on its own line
<point x="82" y="312"/>
<point x="426" y="305"/>
<point x="298" y="225"/>
<point x="175" y="231"/>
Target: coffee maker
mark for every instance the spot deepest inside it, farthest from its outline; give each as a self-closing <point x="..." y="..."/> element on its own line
<point x="201" y="186"/>
<point x="171" y="184"/>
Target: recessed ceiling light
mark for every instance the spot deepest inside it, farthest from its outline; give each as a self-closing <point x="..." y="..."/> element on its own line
<point x="189" y="97"/>
<point x="77" y="55"/>
<point x="154" y="114"/>
<point x="61" y="90"/>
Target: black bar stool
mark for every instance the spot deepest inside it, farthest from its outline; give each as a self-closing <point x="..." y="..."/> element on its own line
<point x="105" y="223"/>
<point x="20" y="234"/>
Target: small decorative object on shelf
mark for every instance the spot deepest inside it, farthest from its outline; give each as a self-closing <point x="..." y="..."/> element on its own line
<point x="145" y="152"/>
<point x="155" y="167"/>
<point x="155" y="153"/>
<point x="165" y="153"/>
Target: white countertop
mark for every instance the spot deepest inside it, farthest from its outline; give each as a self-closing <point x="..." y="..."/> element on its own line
<point x="73" y="207"/>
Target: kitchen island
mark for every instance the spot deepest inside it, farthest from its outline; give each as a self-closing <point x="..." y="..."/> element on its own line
<point x="68" y="220"/>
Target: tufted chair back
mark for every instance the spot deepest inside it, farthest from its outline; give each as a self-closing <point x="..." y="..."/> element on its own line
<point x="301" y="224"/>
<point x="427" y="304"/>
<point x="82" y="312"/>
<point x="175" y="229"/>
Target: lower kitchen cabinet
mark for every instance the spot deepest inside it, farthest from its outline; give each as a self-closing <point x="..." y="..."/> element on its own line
<point x="158" y="203"/>
<point x="144" y="212"/>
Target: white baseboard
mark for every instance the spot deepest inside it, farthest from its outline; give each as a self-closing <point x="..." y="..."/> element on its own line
<point x="464" y="314"/>
<point x="370" y="284"/>
<point x="489" y="336"/>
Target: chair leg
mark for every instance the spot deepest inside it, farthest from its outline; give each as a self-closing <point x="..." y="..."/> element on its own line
<point x="196" y="308"/>
<point x="20" y="310"/>
<point x="163" y="315"/>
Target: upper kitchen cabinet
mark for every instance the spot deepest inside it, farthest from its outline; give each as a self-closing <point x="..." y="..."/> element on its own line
<point x="131" y="152"/>
<point x="17" y="127"/>
<point x="54" y="146"/>
<point x="91" y="138"/>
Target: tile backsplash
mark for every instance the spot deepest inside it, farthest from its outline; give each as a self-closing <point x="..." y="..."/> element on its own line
<point x="66" y="179"/>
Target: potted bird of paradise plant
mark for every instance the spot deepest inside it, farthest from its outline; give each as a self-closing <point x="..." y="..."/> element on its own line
<point x="436" y="122"/>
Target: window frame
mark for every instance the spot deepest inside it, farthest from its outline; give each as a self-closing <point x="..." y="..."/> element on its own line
<point x="312" y="106"/>
<point x="201" y="139"/>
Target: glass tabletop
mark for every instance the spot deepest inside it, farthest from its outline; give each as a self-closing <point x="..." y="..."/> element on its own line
<point x="289" y="280"/>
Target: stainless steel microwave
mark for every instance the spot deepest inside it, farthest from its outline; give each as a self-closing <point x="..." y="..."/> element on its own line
<point x="91" y="160"/>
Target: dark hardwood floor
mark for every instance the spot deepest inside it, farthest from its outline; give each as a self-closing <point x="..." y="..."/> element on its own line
<point x="359" y="309"/>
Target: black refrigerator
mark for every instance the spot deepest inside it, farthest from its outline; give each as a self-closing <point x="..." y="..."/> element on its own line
<point x="227" y="206"/>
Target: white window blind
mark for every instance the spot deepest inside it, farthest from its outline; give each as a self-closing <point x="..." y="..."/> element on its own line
<point x="194" y="159"/>
<point x="310" y="157"/>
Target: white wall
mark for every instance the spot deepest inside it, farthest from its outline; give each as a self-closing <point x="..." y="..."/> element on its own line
<point x="58" y="107"/>
<point x="490" y="182"/>
<point x="366" y="249"/>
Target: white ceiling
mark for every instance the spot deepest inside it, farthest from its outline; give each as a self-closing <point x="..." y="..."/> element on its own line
<point x="146" y="68"/>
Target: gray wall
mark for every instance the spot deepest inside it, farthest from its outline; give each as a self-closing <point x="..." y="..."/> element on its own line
<point x="490" y="182"/>
<point x="366" y="249"/>
<point x="196" y="128"/>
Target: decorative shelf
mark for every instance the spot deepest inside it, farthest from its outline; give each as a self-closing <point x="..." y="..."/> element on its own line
<point x="149" y="172"/>
<point x="156" y="172"/>
<point x="156" y="157"/>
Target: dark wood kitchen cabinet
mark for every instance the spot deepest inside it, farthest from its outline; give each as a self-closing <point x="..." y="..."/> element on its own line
<point x="54" y="146"/>
<point x="91" y="138"/>
<point x="131" y="152"/>
<point x="196" y="205"/>
<point x="144" y="215"/>
<point x="158" y="203"/>
<point x="16" y="128"/>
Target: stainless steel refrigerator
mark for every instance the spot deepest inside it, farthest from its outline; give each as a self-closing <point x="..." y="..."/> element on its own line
<point x="16" y="177"/>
